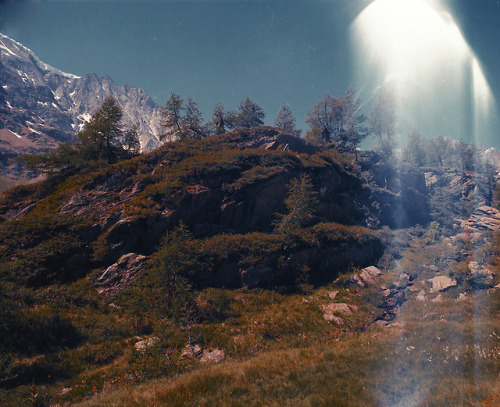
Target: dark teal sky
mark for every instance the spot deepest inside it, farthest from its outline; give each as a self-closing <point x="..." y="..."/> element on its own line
<point x="215" y="50"/>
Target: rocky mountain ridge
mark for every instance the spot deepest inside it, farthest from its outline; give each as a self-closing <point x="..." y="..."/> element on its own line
<point x="41" y="106"/>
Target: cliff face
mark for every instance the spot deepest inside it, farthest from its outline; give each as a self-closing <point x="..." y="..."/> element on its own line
<point x="41" y="106"/>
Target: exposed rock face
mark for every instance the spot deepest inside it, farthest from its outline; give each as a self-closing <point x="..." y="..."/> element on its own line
<point x="272" y="138"/>
<point x="41" y="106"/>
<point x="482" y="219"/>
<point x="398" y="197"/>
<point x="121" y="274"/>
<point x="142" y="346"/>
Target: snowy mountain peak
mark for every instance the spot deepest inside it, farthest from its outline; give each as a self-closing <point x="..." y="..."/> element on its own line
<point x="16" y="49"/>
<point x="43" y="106"/>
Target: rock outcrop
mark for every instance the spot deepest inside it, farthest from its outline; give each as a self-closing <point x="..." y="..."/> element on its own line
<point x="442" y="283"/>
<point x="121" y="274"/>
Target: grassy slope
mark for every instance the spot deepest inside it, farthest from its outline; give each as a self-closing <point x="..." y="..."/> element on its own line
<point x="435" y="354"/>
<point x="279" y="350"/>
<point x="434" y="363"/>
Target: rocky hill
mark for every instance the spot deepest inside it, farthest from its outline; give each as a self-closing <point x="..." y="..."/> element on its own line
<point x="41" y="106"/>
<point x="174" y="261"/>
<point x="233" y="183"/>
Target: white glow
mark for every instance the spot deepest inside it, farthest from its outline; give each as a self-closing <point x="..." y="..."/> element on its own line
<point x="415" y="49"/>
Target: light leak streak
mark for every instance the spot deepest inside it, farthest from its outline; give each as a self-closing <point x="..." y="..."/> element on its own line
<point x="415" y="50"/>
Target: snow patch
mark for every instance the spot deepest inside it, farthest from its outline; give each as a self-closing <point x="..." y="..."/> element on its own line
<point x="9" y="105"/>
<point x="15" y="134"/>
<point x="42" y="65"/>
<point x="86" y="117"/>
<point x="7" y="50"/>
<point x="5" y="87"/>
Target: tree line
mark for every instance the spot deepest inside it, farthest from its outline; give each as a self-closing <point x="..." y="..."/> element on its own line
<point x="335" y="121"/>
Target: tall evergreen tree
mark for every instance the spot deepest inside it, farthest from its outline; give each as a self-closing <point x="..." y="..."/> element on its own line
<point x="181" y="121"/>
<point x="301" y="203"/>
<point x="414" y="153"/>
<point x="285" y="119"/>
<point x="383" y="123"/>
<point x="353" y="132"/>
<point x="101" y="135"/>
<point x="99" y="143"/>
<point x="248" y="114"/>
<point x="325" y="118"/>
<point x="218" y="123"/>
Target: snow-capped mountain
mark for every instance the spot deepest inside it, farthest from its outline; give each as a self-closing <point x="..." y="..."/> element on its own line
<point x="41" y="106"/>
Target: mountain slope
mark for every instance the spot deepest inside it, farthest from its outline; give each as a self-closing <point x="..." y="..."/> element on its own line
<point x="41" y="106"/>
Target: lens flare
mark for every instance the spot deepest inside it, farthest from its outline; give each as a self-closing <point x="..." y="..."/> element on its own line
<point x="414" y="49"/>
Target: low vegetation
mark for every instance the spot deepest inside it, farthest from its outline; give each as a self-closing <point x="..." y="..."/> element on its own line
<point x="230" y="309"/>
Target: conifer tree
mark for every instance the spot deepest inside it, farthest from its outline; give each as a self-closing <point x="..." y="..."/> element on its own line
<point x="99" y="143"/>
<point x="414" y="153"/>
<point x="285" y="119"/>
<point x="383" y="123"/>
<point x="175" y="264"/>
<point x="301" y="203"/>
<point x="181" y="121"/>
<point x="218" y="122"/>
<point x="248" y="114"/>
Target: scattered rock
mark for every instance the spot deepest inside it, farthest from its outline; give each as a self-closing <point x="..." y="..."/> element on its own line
<point x="421" y="296"/>
<point x="442" y="283"/>
<point x="461" y="297"/>
<point x="333" y="318"/>
<point x="481" y="276"/>
<point x="370" y="274"/>
<point x="438" y="298"/>
<point x="386" y="292"/>
<point x="215" y="356"/>
<point x="142" y="346"/>
<point x="434" y="268"/>
<point x="64" y="390"/>
<point x="191" y="351"/>
<point x="404" y="280"/>
<point x="356" y="280"/>
<point x="332" y="294"/>
<point x="394" y="299"/>
<point x="340" y="307"/>
<point x="381" y="322"/>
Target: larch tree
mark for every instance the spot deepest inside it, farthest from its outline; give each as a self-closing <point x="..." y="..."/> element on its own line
<point x="218" y="123"/>
<point x="285" y="120"/>
<point x="181" y="120"/>
<point x="301" y="203"/>
<point x="383" y="124"/>
<point x="414" y="153"/>
<point x="353" y="131"/>
<point x="248" y="114"/>
<point x="325" y="118"/>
